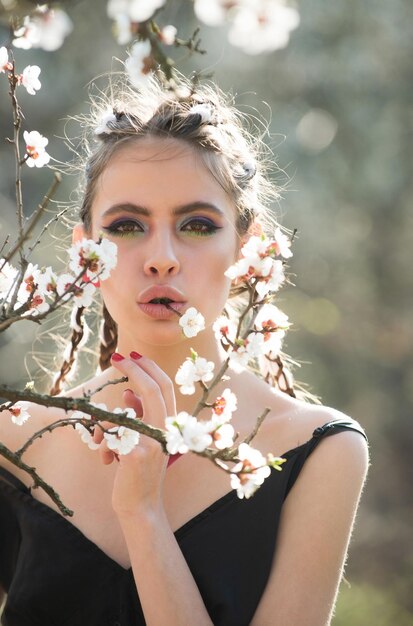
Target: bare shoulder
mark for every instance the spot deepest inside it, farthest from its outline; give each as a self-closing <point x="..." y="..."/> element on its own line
<point x="317" y="519"/>
<point x="291" y="422"/>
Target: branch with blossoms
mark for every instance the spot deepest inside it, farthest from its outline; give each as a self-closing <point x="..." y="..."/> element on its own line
<point x="260" y="270"/>
<point x="256" y="27"/>
<point x="32" y="293"/>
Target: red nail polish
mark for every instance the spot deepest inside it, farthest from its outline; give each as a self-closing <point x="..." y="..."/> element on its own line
<point x="117" y="357"/>
<point x="135" y="355"/>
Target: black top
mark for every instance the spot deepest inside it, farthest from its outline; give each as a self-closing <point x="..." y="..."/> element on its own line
<point x="55" y="576"/>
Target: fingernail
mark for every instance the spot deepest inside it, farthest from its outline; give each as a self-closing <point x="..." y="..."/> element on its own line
<point x="117" y="357"/>
<point x="135" y="355"/>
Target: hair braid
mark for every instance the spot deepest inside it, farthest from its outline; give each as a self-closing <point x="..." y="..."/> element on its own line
<point x="277" y="371"/>
<point x="108" y="338"/>
<point x="77" y="336"/>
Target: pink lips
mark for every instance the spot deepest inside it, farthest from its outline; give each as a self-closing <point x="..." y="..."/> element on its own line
<point x="159" y="310"/>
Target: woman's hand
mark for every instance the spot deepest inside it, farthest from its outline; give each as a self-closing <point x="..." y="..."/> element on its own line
<point x="140" y="474"/>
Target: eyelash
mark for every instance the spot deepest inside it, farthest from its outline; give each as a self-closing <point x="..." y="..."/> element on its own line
<point x="210" y="228"/>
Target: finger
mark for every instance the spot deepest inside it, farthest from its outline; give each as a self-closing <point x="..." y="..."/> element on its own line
<point x="145" y="387"/>
<point x="133" y="401"/>
<point x="107" y="456"/>
<point x="163" y="380"/>
<point x="98" y="433"/>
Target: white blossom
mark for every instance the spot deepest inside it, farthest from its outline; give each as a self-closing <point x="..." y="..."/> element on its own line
<point x="174" y="439"/>
<point x="114" y="7"/>
<point x="27" y="286"/>
<point x="225" y="329"/>
<point x="63" y="282"/>
<point x="252" y="266"/>
<point x="255" y="344"/>
<point x="130" y="413"/>
<point x="239" y="358"/>
<point x="137" y="10"/>
<point x="5" y="64"/>
<point x="191" y="371"/>
<point x="223" y="436"/>
<point x="121" y="440"/>
<point x="99" y="259"/>
<point x="274" y="323"/>
<point x="192" y="322"/>
<point x="19" y="412"/>
<point x="263" y="26"/>
<point x="211" y="12"/>
<point x="273" y="282"/>
<point x="45" y="279"/>
<point x="35" y="149"/>
<point x="269" y="317"/>
<point x="30" y="79"/>
<point x="283" y="244"/>
<point x="8" y="275"/>
<point x="225" y="405"/>
<point x="84" y="295"/>
<point x="123" y="29"/>
<point x="185" y="378"/>
<point x="46" y="29"/>
<point x="168" y="34"/>
<point x="185" y="432"/>
<point x="257" y="470"/>
<point x="256" y="246"/>
<point x="29" y="289"/>
<point x="86" y="436"/>
<point x="142" y="10"/>
<point x="258" y="263"/>
<point x="138" y="64"/>
<point x="195" y="434"/>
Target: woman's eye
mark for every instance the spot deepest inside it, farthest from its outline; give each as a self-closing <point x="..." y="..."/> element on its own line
<point x="200" y="227"/>
<point x="123" y="229"/>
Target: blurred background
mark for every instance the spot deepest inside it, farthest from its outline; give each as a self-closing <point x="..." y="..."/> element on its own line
<point x="338" y="100"/>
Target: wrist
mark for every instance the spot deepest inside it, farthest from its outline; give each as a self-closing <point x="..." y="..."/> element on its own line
<point x="144" y="518"/>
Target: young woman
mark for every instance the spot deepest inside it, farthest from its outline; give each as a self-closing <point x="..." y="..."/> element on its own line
<point x="178" y="186"/>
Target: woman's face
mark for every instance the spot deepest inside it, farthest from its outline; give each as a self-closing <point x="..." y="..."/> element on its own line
<point x="174" y="226"/>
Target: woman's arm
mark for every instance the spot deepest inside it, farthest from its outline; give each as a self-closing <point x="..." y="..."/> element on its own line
<point x="168" y="593"/>
<point x="167" y="590"/>
<point x="315" y="530"/>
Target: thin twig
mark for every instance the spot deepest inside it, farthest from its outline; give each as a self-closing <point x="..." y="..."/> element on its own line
<point x="258" y="423"/>
<point x="35" y="217"/>
<point x="45" y="227"/>
<point x="124" y="379"/>
<point x="37" y="480"/>
<point x="17" y="118"/>
<point x="6" y="241"/>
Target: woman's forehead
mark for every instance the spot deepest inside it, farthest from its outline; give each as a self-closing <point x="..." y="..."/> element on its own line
<point x="149" y="167"/>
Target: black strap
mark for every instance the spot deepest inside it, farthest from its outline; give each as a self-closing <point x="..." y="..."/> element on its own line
<point x="330" y="428"/>
<point x="335" y="426"/>
<point x="12" y="480"/>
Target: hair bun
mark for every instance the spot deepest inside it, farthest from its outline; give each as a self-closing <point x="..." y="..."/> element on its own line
<point x="108" y="118"/>
<point x="204" y="110"/>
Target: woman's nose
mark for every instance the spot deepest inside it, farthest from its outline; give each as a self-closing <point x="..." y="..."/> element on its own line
<point x="162" y="260"/>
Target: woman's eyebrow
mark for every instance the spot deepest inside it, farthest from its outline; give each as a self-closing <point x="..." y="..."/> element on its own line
<point x="180" y="210"/>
